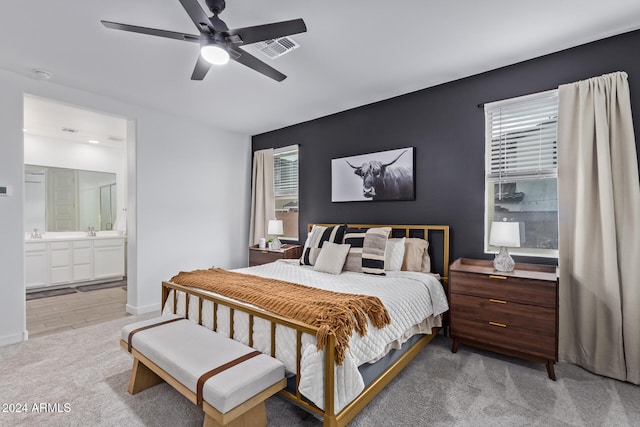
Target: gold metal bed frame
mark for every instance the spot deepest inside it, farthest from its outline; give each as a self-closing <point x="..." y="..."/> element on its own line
<point x="331" y="419"/>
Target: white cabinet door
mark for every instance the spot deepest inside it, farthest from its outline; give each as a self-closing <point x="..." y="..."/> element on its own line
<point x="82" y="260"/>
<point x="108" y="258"/>
<point x="35" y="265"/>
<point x="60" y="262"/>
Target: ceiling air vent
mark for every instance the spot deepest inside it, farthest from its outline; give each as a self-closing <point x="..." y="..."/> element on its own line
<point x="277" y="47"/>
<point x="70" y="130"/>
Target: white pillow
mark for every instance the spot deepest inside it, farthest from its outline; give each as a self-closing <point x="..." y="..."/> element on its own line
<point x="331" y="258"/>
<point x="416" y="255"/>
<point x="394" y="254"/>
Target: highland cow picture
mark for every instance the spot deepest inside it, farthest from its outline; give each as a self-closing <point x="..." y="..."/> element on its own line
<point x="385" y="175"/>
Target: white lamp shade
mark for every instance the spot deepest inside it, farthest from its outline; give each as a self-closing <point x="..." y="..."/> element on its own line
<point x="214" y="54"/>
<point x="505" y="234"/>
<point x="275" y="227"/>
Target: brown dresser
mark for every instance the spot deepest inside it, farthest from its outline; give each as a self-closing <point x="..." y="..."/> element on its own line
<point x="513" y="313"/>
<point x="259" y="256"/>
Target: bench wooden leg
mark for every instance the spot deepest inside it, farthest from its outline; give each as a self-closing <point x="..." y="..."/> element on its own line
<point x="142" y="378"/>
<point x="254" y="417"/>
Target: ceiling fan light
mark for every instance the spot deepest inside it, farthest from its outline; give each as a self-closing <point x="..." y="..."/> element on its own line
<point x="214" y="54"/>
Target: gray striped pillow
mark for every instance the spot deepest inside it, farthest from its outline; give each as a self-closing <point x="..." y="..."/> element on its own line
<point x="367" y="249"/>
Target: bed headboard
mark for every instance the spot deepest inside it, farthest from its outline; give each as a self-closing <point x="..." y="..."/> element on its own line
<point x="437" y="235"/>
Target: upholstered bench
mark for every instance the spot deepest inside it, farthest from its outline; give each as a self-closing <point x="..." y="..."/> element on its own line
<point x="228" y="379"/>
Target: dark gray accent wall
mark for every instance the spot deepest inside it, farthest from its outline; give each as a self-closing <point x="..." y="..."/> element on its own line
<point x="446" y="127"/>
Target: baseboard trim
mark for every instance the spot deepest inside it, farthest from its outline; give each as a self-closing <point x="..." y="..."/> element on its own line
<point x="13" y="339"/>
<point x="142" y="310"/>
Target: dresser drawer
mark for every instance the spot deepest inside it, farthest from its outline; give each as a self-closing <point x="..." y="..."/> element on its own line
<point x="511" y="289"/>
<point x="263" y="257"/>
<point x="506" y="337"/>
<point x="259" y="256"/>
<point x="525" y="316"/>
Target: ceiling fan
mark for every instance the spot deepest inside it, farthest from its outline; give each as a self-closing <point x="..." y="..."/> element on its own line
<point x="218" y="43"/>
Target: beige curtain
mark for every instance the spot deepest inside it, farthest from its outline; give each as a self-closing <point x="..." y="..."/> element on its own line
<point x="599" y="236"/>
<point x="263" y="207"/>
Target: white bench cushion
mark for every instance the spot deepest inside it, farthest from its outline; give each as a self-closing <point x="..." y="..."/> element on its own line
<point x="186" y="350"/>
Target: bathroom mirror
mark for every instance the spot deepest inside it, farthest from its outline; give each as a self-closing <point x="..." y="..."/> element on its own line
<point x="59" y="199"/>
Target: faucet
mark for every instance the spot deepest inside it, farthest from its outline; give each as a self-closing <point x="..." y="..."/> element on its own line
<point x="36" y="234"/>
<point x="91" y="232"/>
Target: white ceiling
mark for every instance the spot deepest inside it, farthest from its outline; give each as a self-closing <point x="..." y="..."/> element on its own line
<point x="354" y="53"/>
<point x="65" y="122"/>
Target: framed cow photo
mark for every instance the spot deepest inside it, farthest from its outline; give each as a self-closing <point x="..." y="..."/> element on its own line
<point x="385" y="175"/>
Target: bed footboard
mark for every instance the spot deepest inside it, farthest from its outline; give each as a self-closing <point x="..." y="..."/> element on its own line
<point x="328" y="414"/>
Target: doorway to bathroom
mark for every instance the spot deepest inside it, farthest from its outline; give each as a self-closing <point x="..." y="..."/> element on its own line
<point x="75" y="215"/>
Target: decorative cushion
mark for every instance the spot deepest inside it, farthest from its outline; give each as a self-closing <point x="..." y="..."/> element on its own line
<point x="394" y="254"/>
<point x="320" y="234"/>
<point x="366" y="254"/>
<point x="416" y="255"/>
<point x="354" y="237"/>
<point x="331" y="258"/>
<point x="307" y="244"/>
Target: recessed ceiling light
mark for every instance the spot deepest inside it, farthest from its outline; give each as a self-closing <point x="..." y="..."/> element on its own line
<point x="24" y="129"/>
<point x="93" y="141"/>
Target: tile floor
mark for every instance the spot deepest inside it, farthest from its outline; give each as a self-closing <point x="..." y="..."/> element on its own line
<point x="55" y="314"/>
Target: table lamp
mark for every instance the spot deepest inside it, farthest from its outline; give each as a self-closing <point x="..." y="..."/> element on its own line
<point x="275" y="228"/>
<point x="505" y="235"/>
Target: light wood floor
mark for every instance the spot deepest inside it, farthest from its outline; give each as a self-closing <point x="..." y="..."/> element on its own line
<point x="51" y="315"/>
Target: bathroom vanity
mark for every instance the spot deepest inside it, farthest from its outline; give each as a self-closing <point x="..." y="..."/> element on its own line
<point x="71" y="258"/>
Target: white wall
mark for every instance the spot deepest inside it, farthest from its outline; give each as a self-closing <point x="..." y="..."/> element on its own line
<point x="12" y="303"/>
<point x="188" y="199"/>
<point x="193" y="192"/>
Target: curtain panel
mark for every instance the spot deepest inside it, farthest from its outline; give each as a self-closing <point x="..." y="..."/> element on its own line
<point x="263" y="205"/>
<point x="599" y="228"/>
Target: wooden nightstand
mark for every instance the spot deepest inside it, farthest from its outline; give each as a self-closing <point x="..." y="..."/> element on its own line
<point x="513" y="313"/>
<point x="259" y="256"/>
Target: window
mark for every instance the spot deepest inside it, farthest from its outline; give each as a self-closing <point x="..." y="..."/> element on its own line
<point x="522" y="170"/>
<point x="285" y="169"/>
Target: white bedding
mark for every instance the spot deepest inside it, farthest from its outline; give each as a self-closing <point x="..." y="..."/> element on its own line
<point x="414" y="302"/>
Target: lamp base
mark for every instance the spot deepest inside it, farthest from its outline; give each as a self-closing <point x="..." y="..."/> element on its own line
<point x="503" y="261"/>
<point x="276" y="243"/>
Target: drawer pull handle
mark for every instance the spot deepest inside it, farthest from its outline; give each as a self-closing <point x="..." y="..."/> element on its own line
<point x="502" y="325"/>
<point x="499" y="301"/>
<point x="493" y="276"/>
<point x="265" y="252"/>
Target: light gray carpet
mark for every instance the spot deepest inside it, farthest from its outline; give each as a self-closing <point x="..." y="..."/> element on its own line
<point x="81" y="377"/>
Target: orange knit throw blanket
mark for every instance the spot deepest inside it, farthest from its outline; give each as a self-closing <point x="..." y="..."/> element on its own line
<point x="332" y="312"/>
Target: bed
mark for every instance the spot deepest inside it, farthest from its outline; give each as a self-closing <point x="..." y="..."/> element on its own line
<point x="335" y="392"/>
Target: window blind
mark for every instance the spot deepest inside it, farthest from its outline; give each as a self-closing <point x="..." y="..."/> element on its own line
<point x="285" y="165"/>
<point x="521" y="137"/>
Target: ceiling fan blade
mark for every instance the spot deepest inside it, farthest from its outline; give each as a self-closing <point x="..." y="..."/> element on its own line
<point x="199" y="17"/>
<point x="245" y="58"/>
<point x="275" y="30"/>
<point x="201" y="69"/>
<point x="151" y="31"/>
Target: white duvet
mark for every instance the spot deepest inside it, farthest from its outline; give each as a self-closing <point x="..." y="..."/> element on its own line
<point x="414" y="302"/>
